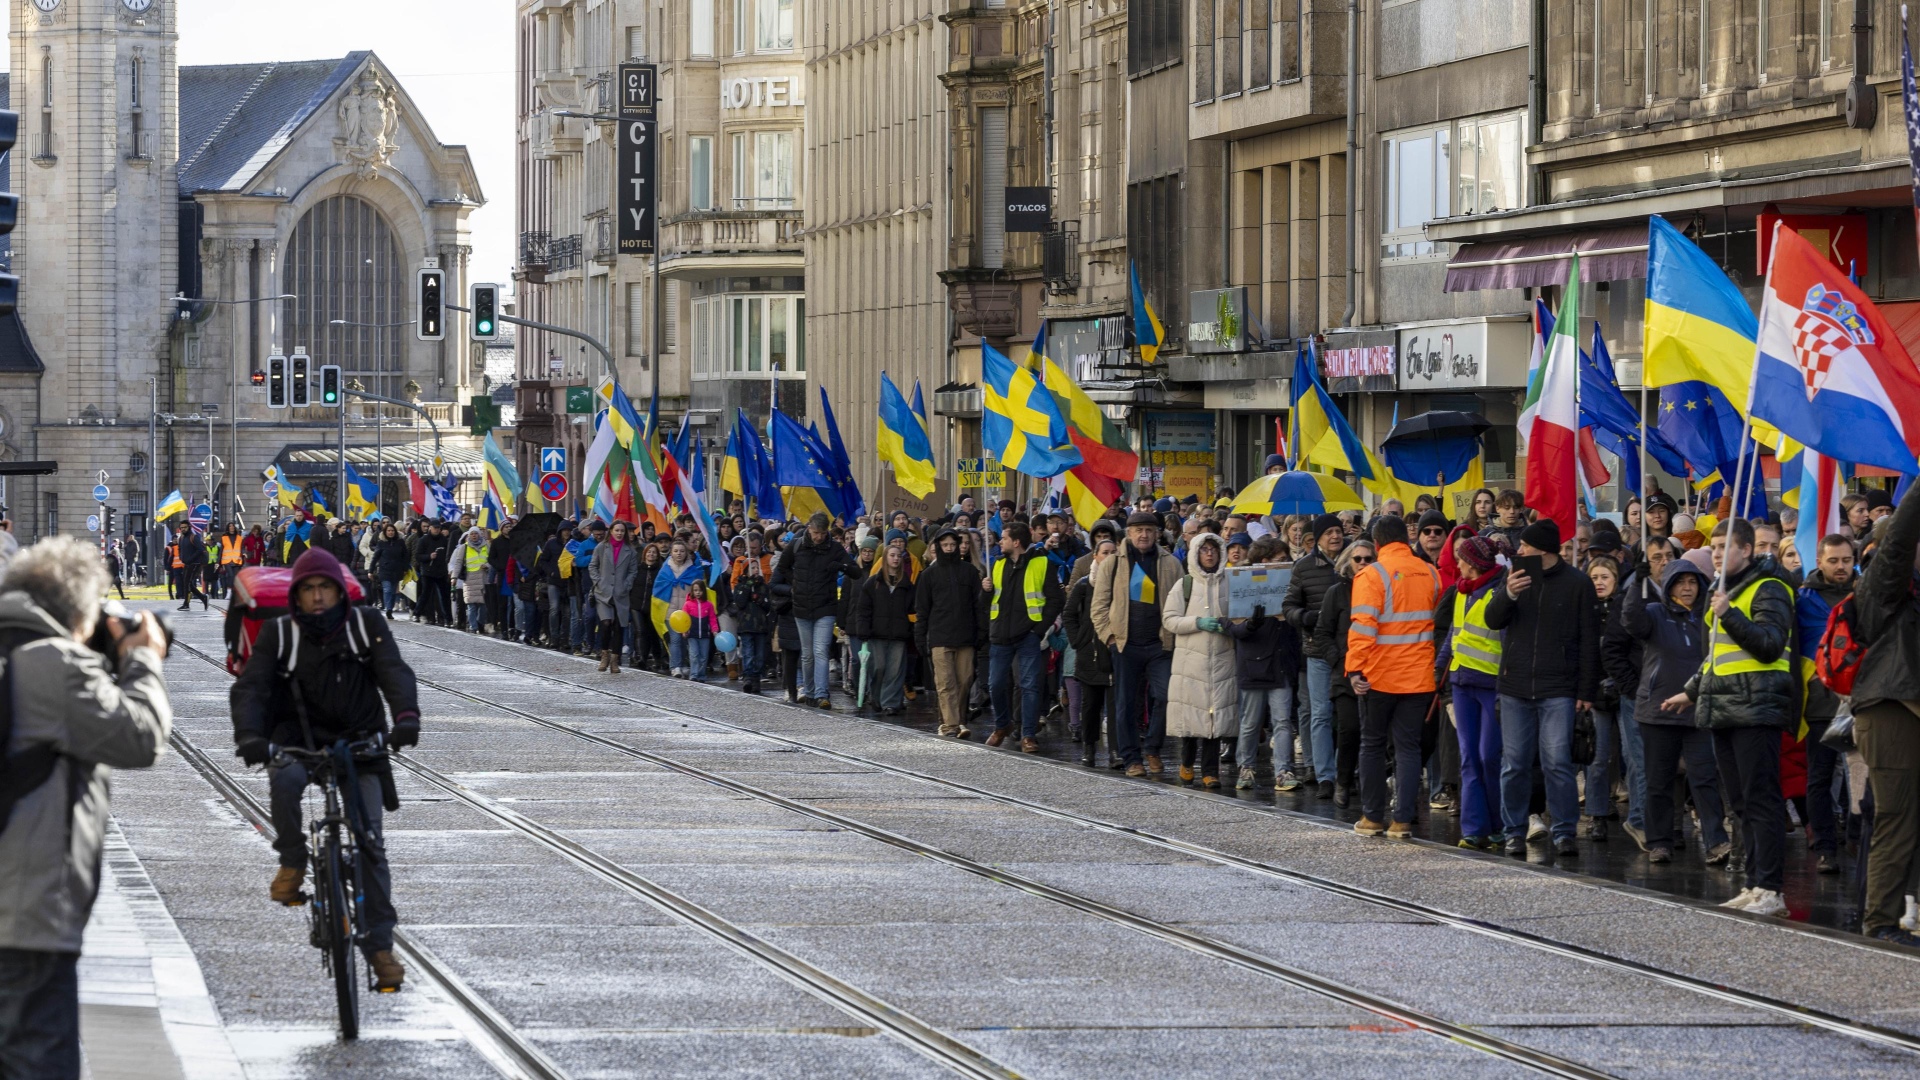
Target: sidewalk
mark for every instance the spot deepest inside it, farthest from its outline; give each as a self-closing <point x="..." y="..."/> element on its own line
<point x="144" y="1009"/>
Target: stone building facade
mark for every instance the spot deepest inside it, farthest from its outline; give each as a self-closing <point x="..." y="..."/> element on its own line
<point x="232" y="184"/>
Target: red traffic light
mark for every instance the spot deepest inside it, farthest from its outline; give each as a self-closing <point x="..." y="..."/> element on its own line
<point x="258" y="378"/>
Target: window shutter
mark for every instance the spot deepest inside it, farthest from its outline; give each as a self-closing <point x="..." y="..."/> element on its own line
<point x="670" y="317"/>
<point x="636" y="318"/>
<point x="993" y="188"/>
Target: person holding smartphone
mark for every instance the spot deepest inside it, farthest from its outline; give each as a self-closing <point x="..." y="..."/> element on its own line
<point x="1549" y="669"/>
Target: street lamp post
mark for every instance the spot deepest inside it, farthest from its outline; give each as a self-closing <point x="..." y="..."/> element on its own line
<point x="233" y="449"/>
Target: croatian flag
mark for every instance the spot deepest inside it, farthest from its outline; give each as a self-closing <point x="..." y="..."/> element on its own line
<point x="1830" y="373"/>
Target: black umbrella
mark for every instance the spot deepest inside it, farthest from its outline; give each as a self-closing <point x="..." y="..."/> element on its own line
<point x="528" y="533"/>
<point x="1434" y="448"/>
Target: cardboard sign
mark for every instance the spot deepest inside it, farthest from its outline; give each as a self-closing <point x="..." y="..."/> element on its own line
<point x="1248" y="586"/>
<point x="894" y="497"/>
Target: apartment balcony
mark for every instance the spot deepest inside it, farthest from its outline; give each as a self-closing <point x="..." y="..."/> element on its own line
<point x="550" y="136"/>
<point x="735" y="231"/>
<point x="563" y="253"/>
<point x="535" y="256"/>
<point x="1266" y="78"/>
<point x="1060" y="257"/>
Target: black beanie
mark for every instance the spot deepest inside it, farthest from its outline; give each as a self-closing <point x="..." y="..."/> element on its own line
<point x="1543" y="535"/>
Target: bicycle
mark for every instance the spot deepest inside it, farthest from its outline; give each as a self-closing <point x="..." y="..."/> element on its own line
<point x="336" y="913"/>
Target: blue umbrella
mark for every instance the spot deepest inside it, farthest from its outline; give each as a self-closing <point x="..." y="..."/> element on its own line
<point x="1435" y="448"/>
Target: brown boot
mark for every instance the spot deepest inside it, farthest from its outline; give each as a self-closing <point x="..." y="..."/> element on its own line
<point x="1153" y="766"/>
<point x="613" y="661"/>
<point x="286" y="886"/>
<point x="733" y="671"/>
<point x="605" y="656"/>
<point x="387" y="972"/>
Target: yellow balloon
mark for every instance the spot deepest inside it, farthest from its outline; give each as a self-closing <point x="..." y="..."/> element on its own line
<point x="679" y="622"/>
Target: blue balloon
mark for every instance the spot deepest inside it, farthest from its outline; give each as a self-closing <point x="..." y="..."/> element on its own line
<point x="724" y="641"/>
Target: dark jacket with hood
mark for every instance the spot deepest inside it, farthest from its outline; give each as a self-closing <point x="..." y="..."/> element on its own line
<point x="1888" y="615"/>
<point x="808" y="575"/>
<point x="1673" y="642"/>
<point x="342" y="695"/>
<point x="882" y="610"/>
<point x="430" y="556"/>
<point x="1550" y="647"/>
<point x="1092" y="660"/>
<point x="1306" y="591"/>
<point x="390" y="560"/>
<point x="950" y="607"/>
<point x="1753" y="698"/>
<point x="1621" y="654"/>
<point x="1266" y="652"/>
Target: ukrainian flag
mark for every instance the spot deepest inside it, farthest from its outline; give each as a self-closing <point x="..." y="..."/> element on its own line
<point x="173" y="504"/>
<point x="289" y="495"/>
<point x="1321" y="435"/>
<point x="1020" y="423"/>
<point x="903" y="441"/>
<point x="1698" y="326"/>
<point x="1147" y="331"/>
<point x="503" y="480"/>
<point x="362" y="496"/>
<point x="664" y="583"/>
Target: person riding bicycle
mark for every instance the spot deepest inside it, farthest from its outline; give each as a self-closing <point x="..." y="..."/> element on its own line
<point x="317" y="676"/>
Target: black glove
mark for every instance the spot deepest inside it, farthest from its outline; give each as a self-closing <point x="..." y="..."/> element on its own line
<point x="1311" y="618"/>
<point x="1259" y="611"/>
<point x="406" y="732"/>
<point x="253" y="750"/>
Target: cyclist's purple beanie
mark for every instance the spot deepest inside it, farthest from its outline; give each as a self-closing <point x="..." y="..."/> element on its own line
<point x="319" y="562"/>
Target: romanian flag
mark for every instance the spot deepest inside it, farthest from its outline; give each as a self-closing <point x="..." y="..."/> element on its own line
<point x="363" y="496"/>
<point x="1101" y="442"/>
<point x="503" y="480"/>
<point x="1698" y="326"/>
<point x="902" y="441"/>
<point x="173" y="504"/>
<point x="1020" y="424"/>
<point x="1147" y="331"/>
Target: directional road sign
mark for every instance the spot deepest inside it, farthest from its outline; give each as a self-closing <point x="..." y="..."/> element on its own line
<point x="93" y="522"/>
<point x="100" y="492"/>
<point x="553" y="459"/>
<point x="553" y="486"/>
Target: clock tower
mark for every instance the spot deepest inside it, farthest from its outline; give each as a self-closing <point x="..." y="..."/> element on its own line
<point x="96" y="85"/>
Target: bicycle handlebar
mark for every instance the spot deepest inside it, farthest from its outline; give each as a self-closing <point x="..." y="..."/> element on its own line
<point x="372" y="744"/>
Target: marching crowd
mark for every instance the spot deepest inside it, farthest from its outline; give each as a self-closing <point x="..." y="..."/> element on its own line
<point x="1638" y="677"/>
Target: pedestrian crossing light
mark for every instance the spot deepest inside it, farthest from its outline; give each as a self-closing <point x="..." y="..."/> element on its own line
<point x="483" y="299"/>
<point x="276" y="382"/>
<point x="430" y="326"/>
<point x="299" y="393"/>
<point x="330" y="385"/>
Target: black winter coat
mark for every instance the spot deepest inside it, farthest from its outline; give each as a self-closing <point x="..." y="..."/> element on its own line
<point x="950" y="606"/>
<point x="1888" y="614"/>
<point x="1266" y="652"/>
<point x="430" y="557"/>
<point x="1754" y="698"/>
<point x="1336" y="617"/>
<point x="883" y="612"/>
<point x="341" y="546"/>
<point x="1674" y="642"/>
<point x="390" y="560"/>
<point x="808" y="575"/>
<point x="1551" y="644"/>
<point x="1092" y="660"/>
<point x="1306" y="592"/>
<point x="1621" y="655"/>
<point x="751" y="605"/>
<point x="1013" y="623"/>
<point x="342" y="695"/>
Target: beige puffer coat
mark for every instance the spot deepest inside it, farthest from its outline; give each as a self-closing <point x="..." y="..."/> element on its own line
<point x="1203" y="698"/>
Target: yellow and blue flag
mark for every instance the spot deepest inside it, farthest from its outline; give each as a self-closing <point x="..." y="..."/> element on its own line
<point x="1321" y="435"/>
<point x="363" y="495"/>
<point x="317" y="500"/>
<point x="903" y="441"/>
<point x="503" y="480"/>
<point x="1698" y="326"/>
<point x="1020" y="423"/>
<point x="1147" y="331"/>
<point x="756" y="470"/>
<point x="173" y="504"/>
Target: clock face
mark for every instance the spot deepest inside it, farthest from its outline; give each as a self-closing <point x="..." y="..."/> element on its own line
<point x="135" y="5"/>
<point x="46" y="5"/>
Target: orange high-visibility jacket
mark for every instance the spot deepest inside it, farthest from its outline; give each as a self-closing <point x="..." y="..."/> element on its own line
<point x="1391" y="640"/>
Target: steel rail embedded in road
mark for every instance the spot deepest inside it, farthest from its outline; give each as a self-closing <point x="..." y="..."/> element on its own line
<point x="1800" y="1014"/>
<point x="508" y="1051"/>
<point x="916" y="1033"/>
<point x="1299" y="978"/>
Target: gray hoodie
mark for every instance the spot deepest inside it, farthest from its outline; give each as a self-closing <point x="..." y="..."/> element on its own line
<point x="66" y="694"/>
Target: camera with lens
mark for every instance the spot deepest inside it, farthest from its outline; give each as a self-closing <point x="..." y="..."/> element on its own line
<point x="102" y="640"/>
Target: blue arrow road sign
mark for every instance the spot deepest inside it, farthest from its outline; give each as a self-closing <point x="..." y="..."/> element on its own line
<point x="553" y="459"/>
<point x="100" y="493"/>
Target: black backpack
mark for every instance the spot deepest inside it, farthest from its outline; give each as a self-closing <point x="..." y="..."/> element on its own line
<point x="21" y="774"/>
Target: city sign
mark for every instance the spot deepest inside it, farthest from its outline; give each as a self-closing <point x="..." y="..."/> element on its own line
<point x="637" y="197"/>
<point x="553" y="459"/>
<point x="553" y="486"/>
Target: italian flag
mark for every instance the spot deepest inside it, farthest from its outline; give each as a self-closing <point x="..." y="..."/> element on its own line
<point x="1553" y="405"/>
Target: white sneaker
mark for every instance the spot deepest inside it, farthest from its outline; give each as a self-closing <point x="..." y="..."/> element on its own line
<point x="1537" y="827"/>
<point x="1911" y="919"/>
<point x="1766" y="902"/>
<point x="1740" y="902"/>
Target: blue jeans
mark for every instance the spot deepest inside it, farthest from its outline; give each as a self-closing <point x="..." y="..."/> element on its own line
<point x="1478" y="728"/>
<point x="816" y="641"/>
<point x="40" y="1013"/>
<point x="556" y="616"/>
<point x="886" y="673"/>
<point x="579" y="620"/>
<point x="676" y="651"/>
<point x="476" y="613"/>
<point x="387" y="591"/>
<point x="527" y="618"/>
<point x="286" y="781"/>
<point x="753" y="656"/>
<point x="1255" y="706"/>
<point x="699" y="652"/>
<point x="1033" y="676"/>
<point x="1140" y="674"/>
<point x="1320" y="738"/>
<point x="1615" y="731"/>
<point x="1543" y="728"/>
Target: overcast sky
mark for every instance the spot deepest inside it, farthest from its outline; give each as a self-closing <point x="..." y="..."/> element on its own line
<point x="454" y="58"/>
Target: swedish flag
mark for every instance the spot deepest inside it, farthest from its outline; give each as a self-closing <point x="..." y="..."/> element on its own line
<point x="1020" y="423"/>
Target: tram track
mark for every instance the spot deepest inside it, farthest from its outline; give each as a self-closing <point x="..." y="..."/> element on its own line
<point x="1873" y="1034"/>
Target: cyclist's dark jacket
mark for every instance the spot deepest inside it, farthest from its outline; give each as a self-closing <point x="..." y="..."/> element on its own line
<point x="342" y="694"/>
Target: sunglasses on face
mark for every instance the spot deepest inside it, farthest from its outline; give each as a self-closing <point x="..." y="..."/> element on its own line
<point x="1433" y="532"/>
<point x="1362" y="560"/>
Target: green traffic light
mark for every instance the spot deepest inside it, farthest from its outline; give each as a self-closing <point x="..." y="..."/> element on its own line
<point x="486" y="326"/>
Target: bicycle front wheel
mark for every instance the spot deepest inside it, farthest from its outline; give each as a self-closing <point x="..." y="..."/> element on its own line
<point x="342" y="957"/>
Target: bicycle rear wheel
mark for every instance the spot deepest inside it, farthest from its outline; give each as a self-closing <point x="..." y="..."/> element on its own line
<point x="342" y="958"/>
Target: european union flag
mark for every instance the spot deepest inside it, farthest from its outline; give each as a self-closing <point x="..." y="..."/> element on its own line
<point x="1615" y="421"/>
<point x="800" y="461"/>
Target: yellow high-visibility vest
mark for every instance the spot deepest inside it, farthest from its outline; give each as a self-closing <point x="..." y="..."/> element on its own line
<point x="1475" y="646"/>
<point x="1036" y="587"/>
<point x="1727" y="657"/>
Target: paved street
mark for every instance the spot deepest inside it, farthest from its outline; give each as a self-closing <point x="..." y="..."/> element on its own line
<point x="636" y="876"/>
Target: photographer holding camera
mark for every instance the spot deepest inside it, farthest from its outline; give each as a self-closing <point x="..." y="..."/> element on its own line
<point x="82" y="695"/>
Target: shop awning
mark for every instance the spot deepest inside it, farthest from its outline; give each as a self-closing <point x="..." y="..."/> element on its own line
<point x="1614" y="254"/>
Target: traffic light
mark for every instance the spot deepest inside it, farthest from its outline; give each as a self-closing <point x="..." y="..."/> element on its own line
<point x="431" y="326"/>
<point x="299" y="393"/>
<point x="483" y="300"/>
<point x="276" y="382"/>
<point x="9" y="211"/>
<point x="330" y="385"/>
<point x="257" y="377"/>
<point x="106" y="521"/>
